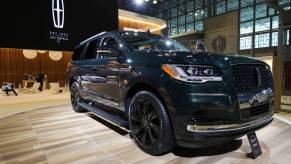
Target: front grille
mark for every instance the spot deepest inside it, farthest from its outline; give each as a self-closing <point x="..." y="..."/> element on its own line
<point x="246" y="77"/>
<point x="255" y="111"/>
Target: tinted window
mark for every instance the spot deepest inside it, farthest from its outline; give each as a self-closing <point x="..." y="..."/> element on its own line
<point x="78" y="53"/>
<point x="109" y="43"/>
<point x="91" y="51"/>
<point x="107" y="46"/>
<point x="149" y="42"/>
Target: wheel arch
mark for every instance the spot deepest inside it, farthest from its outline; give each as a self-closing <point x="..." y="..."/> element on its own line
<point x="73" y="80"/>
<point x="160" y="92"/>
<point x="141" y="86"/>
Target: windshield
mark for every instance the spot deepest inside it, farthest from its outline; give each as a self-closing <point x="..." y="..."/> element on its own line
<point x="138" y="41"/>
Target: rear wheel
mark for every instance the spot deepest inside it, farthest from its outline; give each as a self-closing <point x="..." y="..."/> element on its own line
<point x="75" y="98"/>
<point x="149" y="124"/>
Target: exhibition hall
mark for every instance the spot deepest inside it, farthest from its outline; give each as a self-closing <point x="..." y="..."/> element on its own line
<point x="145" y="81"/>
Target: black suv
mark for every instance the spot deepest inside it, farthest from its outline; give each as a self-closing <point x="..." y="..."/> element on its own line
<point x="165" y="94"/>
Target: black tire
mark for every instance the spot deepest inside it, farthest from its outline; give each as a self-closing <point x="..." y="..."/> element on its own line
<point x="75" y="99"/>
<point x="150" y="125"/>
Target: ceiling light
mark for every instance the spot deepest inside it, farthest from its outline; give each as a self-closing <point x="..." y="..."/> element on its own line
<point x="30" y="54"/>
<point x="55" y="55"/>
<point x="146" y="0"/>
<point x="139" y="2"/>
<point x="155" y="2"/>
<point x="41" y="51"/>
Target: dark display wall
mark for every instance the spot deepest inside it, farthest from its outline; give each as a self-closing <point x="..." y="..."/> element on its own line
<point x="14" y="65"/>
<point x="29" y="24"/>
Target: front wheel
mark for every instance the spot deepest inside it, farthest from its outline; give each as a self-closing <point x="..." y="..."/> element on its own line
<point x="75" y="98"/>
<point x="149" y="124"/>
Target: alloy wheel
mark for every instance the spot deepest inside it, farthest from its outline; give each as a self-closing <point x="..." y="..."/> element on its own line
<point x="74" y="96"/>
<point x="146" y="123"/>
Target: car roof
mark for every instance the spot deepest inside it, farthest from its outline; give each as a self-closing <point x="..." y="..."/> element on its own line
<point x="92" y="38"/>
<point x="129" y="33"/>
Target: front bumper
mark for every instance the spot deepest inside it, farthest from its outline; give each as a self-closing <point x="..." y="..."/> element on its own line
<point x="230" y="128"/>
<point x="206" y="114"/>
<point x="222" y="133"/>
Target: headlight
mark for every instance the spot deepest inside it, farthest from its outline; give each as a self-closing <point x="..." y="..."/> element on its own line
<point x="192" y="73"/>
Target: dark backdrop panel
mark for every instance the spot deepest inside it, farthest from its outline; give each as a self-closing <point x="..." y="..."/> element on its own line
<point x="28" y="24"/>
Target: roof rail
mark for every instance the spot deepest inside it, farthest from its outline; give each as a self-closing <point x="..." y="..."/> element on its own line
<point x="92" y="37"/>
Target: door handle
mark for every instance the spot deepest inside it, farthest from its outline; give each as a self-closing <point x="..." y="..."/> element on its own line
<point x="97" y="79"/>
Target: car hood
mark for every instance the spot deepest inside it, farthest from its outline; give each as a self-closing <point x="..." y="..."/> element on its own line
<point x="195" y="58"/>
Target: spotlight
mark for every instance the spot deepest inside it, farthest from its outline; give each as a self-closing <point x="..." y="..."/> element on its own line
<point x="155" y="2"/>
<point x="139" y="2"/>
<point x="146" y="0"/>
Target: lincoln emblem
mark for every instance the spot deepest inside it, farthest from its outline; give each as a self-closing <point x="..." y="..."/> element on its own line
<point x="58" y="13"/>
<point x="219" y="44"/>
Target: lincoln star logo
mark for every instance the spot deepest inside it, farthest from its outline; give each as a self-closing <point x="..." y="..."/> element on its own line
<point x="219" y="44"/>
<point x="58" y="13"/>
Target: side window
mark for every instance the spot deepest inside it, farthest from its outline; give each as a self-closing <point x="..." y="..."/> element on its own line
<point x="78" y="53"/>
<point x="109" y="43"/>
<point x="91" y="51"/>
<point x="108" y="46"/>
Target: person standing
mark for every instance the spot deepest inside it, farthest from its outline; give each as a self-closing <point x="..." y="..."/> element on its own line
<point x="40" y="80"/>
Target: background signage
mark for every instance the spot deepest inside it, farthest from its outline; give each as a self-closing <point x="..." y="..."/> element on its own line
<point x="54" y="24"/>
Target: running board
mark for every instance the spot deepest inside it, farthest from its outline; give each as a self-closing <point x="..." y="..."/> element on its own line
<point x="113" y="119"/>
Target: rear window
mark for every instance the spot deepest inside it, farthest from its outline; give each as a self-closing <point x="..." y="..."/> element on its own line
<point x="78" y="53"/>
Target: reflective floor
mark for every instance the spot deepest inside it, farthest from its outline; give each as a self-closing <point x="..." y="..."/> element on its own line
<point x="58" y="135"/>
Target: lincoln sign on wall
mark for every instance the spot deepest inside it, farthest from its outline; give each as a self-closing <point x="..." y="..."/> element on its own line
<point x="54" y="24"/>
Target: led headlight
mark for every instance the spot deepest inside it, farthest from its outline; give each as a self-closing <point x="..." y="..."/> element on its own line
<point x="192" y="73"/>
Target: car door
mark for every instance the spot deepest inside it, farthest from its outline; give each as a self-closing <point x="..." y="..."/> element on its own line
<point x="87" y="73"/>
<point x="106" y="82"/>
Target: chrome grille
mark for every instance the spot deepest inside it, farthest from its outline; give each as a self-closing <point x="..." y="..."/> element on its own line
<point x="250" y="77"/>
